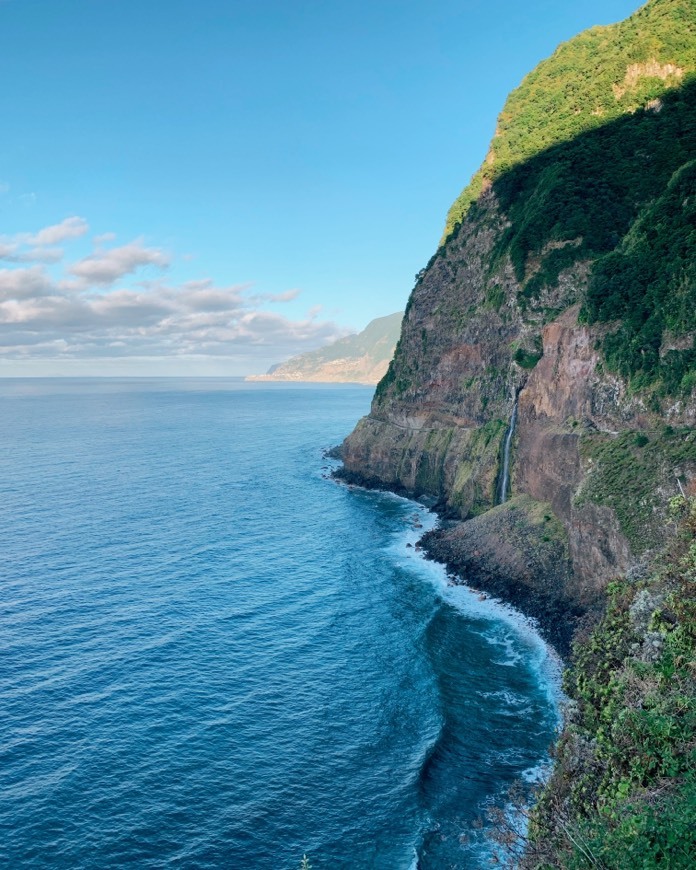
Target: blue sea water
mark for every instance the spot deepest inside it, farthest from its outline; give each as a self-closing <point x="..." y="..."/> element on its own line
<point x="212" y="656"/>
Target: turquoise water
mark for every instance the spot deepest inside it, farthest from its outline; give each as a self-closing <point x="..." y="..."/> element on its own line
<point x="211" y="656"/>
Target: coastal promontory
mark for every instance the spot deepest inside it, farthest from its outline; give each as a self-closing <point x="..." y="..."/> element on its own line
<point x="361" y="358"/>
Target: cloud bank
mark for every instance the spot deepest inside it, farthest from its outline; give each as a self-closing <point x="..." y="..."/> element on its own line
<point x="118" y="302"/>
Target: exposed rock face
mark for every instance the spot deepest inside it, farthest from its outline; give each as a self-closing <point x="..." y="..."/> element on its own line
<point x="438" y="419"/>
<point x="435" y="426"/>
<point x="555" y="571"/>
<point x="564" y="395"/>
<point x="521" y="301"/>
<point x="436" y="431"/>
<point x="651" y="69"/>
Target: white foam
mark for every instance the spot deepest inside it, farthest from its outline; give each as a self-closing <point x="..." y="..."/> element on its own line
<point x="506" y="623"/>
<point x="538" y="774"/>
<point x="510" y="698"/>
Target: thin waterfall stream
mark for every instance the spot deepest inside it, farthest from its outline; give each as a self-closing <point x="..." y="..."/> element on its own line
<point x="505" y="471"/>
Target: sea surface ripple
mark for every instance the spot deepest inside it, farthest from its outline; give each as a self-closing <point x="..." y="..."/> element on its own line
<point x="212" y="656"/>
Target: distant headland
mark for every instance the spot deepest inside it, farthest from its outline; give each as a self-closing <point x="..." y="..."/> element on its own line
<point x="362" y="358"/>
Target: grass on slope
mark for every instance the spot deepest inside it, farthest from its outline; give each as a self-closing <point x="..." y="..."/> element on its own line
<point x="597" y="76"/>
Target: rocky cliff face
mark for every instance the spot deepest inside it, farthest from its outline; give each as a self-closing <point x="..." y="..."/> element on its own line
<point x="500" y="315"/>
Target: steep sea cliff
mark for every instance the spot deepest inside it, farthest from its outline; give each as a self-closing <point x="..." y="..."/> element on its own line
<point x="514" y="308"/>
<point x="551" y="342"/>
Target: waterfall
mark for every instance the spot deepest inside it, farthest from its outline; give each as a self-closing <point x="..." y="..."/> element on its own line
<point x="504" y="478"/>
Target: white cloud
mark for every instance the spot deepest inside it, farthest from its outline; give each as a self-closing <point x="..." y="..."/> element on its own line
<point x="13" y="252"/>
<point x="70" y="228"/>
<point x="106" y="267"/>
<point x="18" y="284"/>
<point x="42" y="247"/>
<point x="88" y="310"/>
<point x="37" y="315"/>
<point x="286" y="296"/>
<point x="39" y="255"/>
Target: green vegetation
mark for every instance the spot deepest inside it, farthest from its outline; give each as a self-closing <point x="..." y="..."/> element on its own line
<point x="399" y="383"/>
<point x="470" y="494"/>
<point x="623" y="793"/>
<point x="627" y="472"/>
<point x="649" y="285"/>
<point x="592" y="162"/>
<point x="593" y="168"/>
<point x="495" y="296"/>
<point x="600" y="75"/>
<point x="430" y="475"/>
<point x="577" y="201"/>
<point x="525" y="358"/>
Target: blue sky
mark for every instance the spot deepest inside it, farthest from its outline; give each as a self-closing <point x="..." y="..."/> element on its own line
<point x="259" y="176"/>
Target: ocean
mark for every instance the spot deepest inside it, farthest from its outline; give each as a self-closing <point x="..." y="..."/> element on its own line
<point x="214" y="656"/>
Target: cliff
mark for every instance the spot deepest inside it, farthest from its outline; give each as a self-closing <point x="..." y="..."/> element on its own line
<point x="362" y="358"/>
<point x="565" y="285"/>
<point x="543" y="396"/>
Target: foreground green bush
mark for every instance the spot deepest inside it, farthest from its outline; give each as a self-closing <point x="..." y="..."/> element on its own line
<point x="623" y="792"/>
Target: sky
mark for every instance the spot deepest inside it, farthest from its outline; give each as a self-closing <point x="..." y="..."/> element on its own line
<point x="210" y="187"/>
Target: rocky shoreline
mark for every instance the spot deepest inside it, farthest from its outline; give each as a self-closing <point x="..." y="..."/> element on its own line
<point x="498" y="569"/>
<point x="513" y="552"/>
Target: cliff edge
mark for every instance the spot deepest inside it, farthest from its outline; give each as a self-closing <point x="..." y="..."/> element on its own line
<point x="543" y="396"/>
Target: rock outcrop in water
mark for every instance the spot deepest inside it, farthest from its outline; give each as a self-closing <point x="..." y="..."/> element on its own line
<point x="357" y="359"/>
<point x="566" y="279"/>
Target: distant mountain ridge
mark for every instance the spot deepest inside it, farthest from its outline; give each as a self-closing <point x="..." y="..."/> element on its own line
<point x="362" y="358"/>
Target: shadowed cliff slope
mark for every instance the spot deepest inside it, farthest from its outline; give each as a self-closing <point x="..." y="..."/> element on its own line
<point x="596" y="77"/>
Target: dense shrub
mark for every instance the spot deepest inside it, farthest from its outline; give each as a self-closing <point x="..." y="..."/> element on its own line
<point x="624" y="790"/>
<point x="584" y="85"/>
<point x="649" y="285"/>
